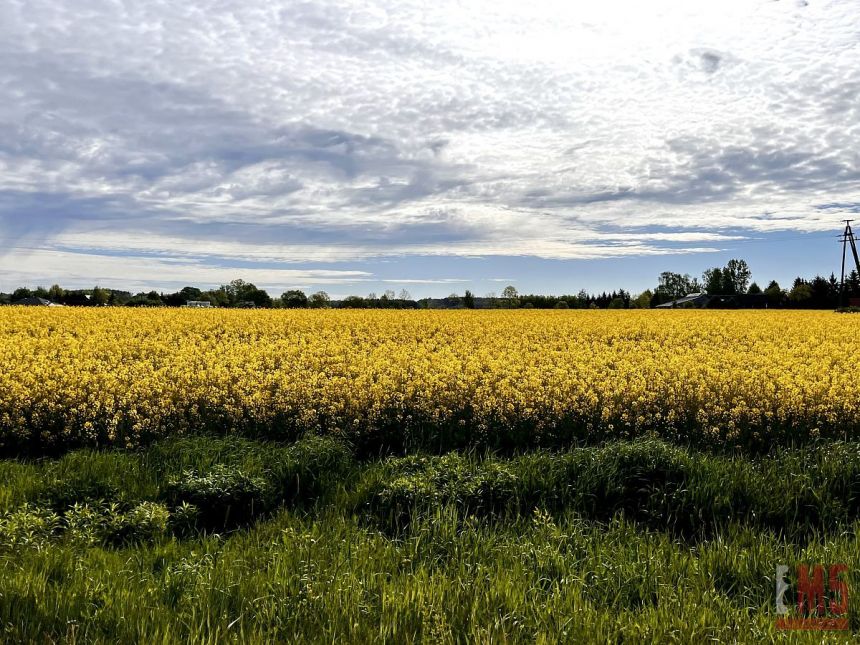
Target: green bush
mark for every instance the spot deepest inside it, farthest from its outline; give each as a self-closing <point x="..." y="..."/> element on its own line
<point x="109" y="525"/>
<point x="652" y="483"/>
<point x="488" y="488"/>
<point x="184" y="520"/>
<point x="28" y="526"/>
<point x="226" y="497"/>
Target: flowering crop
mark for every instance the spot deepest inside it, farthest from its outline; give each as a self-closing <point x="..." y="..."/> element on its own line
<point x="108" y="376"/>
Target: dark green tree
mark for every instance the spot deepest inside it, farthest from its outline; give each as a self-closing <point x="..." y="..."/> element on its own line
<point x="319" y="300"/>
<point x="21" y="293"/>
<point x="736" y="276"/>
<point x="100" y="296"/>
<point x="294" y="299"/>
<point x="713" y="281"/>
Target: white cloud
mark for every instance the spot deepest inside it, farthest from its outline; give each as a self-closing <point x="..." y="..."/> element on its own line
<point x="269" y="131"/>
<point x="140" y="273"/>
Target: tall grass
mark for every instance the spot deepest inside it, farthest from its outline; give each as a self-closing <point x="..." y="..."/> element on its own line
<point x="633" y="542"/>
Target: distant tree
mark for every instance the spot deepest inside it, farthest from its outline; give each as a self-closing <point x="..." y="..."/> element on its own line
<point x="354" y="302"/>
<point x="469" y="300"/>
<point x="453" y="301"/>
<point x="713" y="281"/>
<point x="118" y="298"/>
<point x="511" y="296"/>
<point x="21" y="293"/>
<point x="190" y="293"/>
<point x="561" y="304"/>
<point x="675" y="285"/>
<point x="181" y="297"/>
<point x="151" y="299"/>
<point x="736" y="276"/>
<point x="389" y="294"/>
<point x="774" y="294"/>
<point x="218" y="297"/>
<point x="823" y="296"/>
<point x="372" y="296"/>
<point x="294" y="299"/>
<point x="239" y="291"/>
<point x="643" y="300"/>
<point x="41" y="292"/>
<point x="800" y="294"/>
<point x="754" y="289"/>
<point x="100" y="296"/>
<point x="852" y="284"/>
<point x="319" y="300"/>
<point x="236" y="290"/>
<point x="730" y="280"/>
<point x="616" y="303"/>
<point x="404" y="295"/>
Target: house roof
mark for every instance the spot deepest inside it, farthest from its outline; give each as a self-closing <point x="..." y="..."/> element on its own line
<point x="692" y="297"/>
<point x="33" y="301"/>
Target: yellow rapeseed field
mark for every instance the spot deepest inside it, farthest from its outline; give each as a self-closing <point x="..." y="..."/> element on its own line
<point x="72" y="377"/>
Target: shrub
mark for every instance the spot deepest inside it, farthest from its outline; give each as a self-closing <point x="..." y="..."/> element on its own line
<point x="184" y="519"/>
<point x="226" y="497"/>
<point x="481" y="489"/>
<point x="28" y="526"/>
<point x="108" y="524"/>
<point x="652" y="483"/>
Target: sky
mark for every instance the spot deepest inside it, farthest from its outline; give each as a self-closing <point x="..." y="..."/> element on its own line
<point x="360" y="146"/>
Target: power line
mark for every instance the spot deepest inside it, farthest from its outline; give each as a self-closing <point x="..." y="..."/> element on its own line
<point x="847" y="238"/>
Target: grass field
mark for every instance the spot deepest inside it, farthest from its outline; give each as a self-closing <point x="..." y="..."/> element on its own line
<point x="529" y="504"/>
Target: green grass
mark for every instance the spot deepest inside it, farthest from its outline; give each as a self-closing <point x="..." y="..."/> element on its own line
<point x="628" y="542"/>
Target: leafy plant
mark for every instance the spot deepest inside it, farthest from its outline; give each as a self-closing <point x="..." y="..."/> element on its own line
<point x="226" y="497"/>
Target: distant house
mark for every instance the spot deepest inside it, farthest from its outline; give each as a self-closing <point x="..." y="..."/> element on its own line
<point x="717" y="301"/>
<point x="690" y="301"/>
<point x="34" y="301"/>
<point x="198" y="304"/>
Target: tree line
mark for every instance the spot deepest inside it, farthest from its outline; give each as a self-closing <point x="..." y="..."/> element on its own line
<point x="237" y="293"/>
<point x="733" y="279"/>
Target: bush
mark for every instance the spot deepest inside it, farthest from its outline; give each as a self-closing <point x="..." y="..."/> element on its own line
<point x="652" y="483"/>
<point x="184" y="520"/>
<point x="481" y="489"/>
<point x="231" y="482"/>
<point x="109" y="525"/>
<point x="226" y="497"/>
<point x="28" y="526"/>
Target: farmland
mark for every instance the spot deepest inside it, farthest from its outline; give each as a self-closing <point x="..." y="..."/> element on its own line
<point x="404" y="380"/>
<point x="420" y="476"/>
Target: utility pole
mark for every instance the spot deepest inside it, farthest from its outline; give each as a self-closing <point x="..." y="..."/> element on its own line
<point x="847" y="238"/>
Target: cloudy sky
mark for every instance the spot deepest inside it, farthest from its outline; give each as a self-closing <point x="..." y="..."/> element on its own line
<point x="433" y="146"/>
